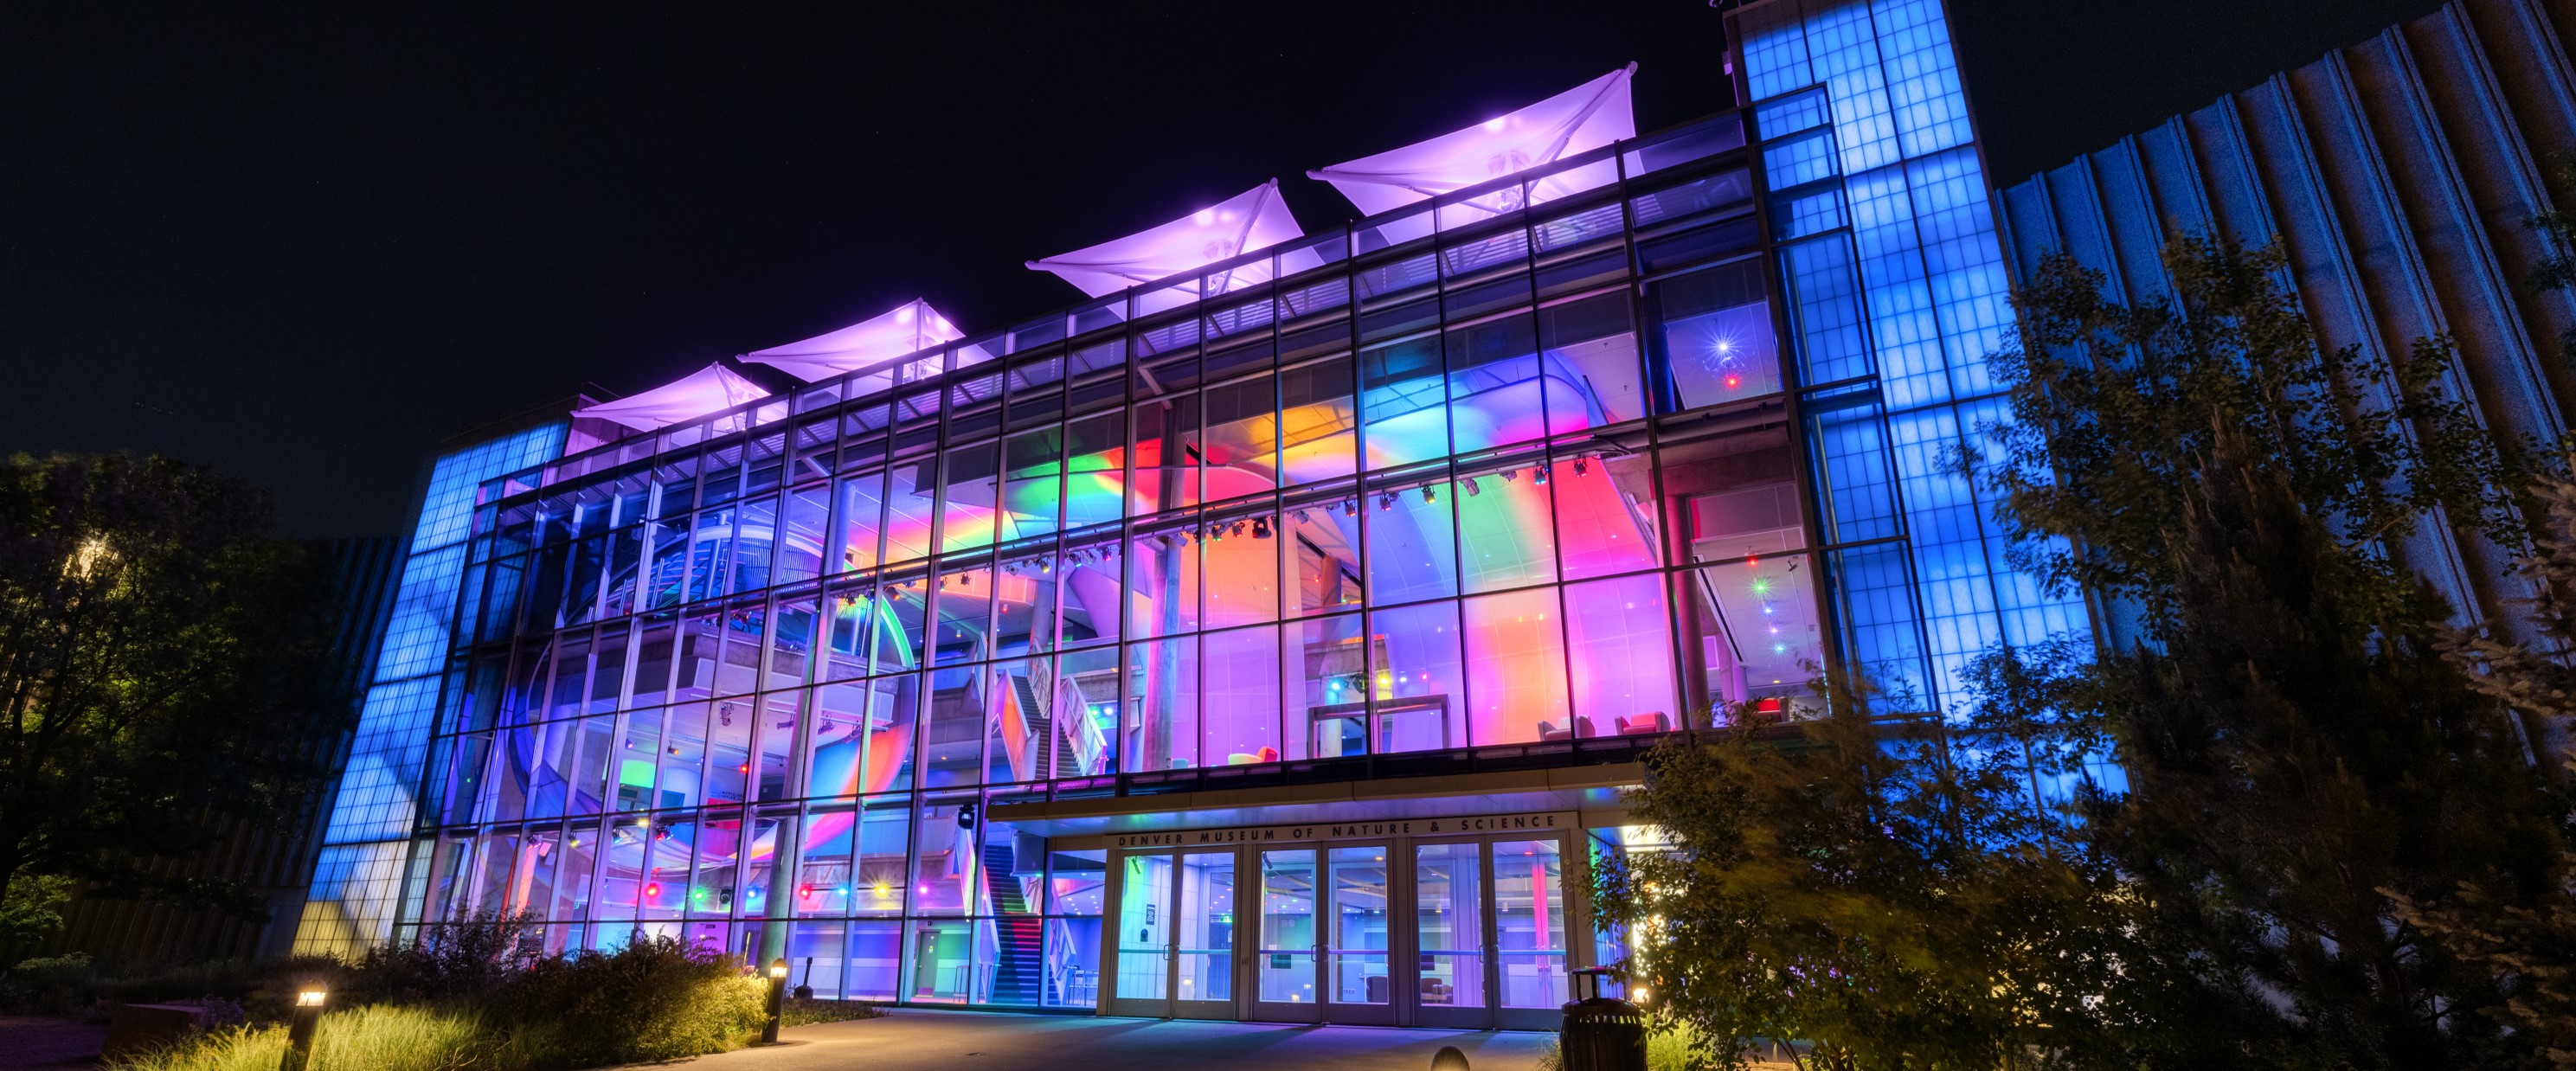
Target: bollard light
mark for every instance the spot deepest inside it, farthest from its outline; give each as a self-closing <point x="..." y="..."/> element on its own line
<point x="300" y="1028"/>
<point x="777" y="999"/>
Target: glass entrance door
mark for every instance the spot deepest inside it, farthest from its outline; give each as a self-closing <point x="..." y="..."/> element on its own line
<point x="1203" y="952"/>
<point x="1285" y="956"/>
<point x="1142" y="983"/>
<point x="1175" y="937"/>
<point x="1530" y="932"/>
<point x="1450" y="938"/>
<point x="1359" y="984"/>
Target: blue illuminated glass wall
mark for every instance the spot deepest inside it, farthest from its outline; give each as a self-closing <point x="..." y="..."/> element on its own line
<point x="1895" y="291"/>
<point x="357" y="882"/>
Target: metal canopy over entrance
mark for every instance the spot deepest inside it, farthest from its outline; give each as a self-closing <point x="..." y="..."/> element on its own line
<point x="1468" y="925"/>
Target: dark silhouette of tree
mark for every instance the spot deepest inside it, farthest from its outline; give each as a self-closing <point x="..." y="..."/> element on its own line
<point x="165" y="665"/>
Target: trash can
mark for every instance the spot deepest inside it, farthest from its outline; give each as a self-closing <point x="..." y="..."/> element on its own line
<point x="1601" y="1033"/>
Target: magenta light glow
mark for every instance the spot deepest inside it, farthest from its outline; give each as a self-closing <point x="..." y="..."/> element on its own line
<point x="711" y="389"/>
<point x="1585" y="117"/>
<point x="905" y="329"/>
<point x="1254" y="219"/>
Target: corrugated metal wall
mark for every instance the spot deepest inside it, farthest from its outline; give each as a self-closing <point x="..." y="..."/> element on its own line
<point x="2400" y="175"/>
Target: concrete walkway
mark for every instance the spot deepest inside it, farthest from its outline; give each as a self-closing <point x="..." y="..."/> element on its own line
<point x="916" y="1040"/>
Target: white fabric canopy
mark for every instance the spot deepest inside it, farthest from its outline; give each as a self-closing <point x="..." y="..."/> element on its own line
<point x="704" y="391"/>
<point x="905" y="329"/>
<point x="1587" y="116"/>
<point x="1254" y="219"/>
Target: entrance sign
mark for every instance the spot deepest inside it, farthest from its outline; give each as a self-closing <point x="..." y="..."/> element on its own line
<point x="1505" y="822"/>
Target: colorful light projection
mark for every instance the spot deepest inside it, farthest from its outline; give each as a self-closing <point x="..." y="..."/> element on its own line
<point x="711" y="389"/>
<point x="1254" y="219"/>
<point x="906" y="329"/>
<point x="1580" y="119"/>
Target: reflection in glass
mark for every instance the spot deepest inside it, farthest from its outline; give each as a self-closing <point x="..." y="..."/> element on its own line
<point x="1356" y="955"/>
<point x="1529" y="922"/>
<point x="1287" y="953"/>
<point x="1144" y="918"/>
<point x="1205" y="943"/>
<point x="1449" y="925"/>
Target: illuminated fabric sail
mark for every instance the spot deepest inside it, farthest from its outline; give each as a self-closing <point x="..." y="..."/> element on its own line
<point x="1255" y="219"/>
<point x="905" y="329"/>
<point x="1585" y="117"/>
<point x="707" y="390"/>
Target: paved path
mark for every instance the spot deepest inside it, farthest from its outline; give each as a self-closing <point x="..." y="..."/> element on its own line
<point x="38" y="1041"/>
<point x="917" y="1040"/>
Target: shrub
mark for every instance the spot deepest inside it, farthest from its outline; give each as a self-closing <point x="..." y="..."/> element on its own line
<point x="807" y="1011"/>
<point x="54" y="984"/>
<point x="655" y="999"/>
<point x="377" y="1038"/>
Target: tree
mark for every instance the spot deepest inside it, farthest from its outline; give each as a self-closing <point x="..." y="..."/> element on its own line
<point x="1869" y="888"/>
<point x="165" y="665"/>
<point x="2300" y="754"/>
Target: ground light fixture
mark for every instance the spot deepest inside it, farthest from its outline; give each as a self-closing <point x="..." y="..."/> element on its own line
<point x="300" y="1029"/>
<point x="777" y="999"/>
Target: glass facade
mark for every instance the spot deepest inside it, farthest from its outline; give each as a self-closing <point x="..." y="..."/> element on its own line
<point x="1520" y="477"/>
<point x="1895" y="290"/>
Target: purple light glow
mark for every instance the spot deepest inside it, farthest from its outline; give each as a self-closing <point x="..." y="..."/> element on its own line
<point x="1253" y="219"/>
<point x="1585" y="117"/>
<point x="704" y="391"/>
<point x="905" y="329"/>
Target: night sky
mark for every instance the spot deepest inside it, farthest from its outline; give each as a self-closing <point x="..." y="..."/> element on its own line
<point x="305" y="244"/>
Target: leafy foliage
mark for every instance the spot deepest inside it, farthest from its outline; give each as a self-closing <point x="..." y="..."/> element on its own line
<point x="163" y="660"/>
<point x="2115" y="410"/>
<point x="1853" y="884"/>
<point x="2302" y="748"/>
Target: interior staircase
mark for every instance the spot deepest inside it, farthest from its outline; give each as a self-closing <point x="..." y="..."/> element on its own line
<point x="1019" y="978"/>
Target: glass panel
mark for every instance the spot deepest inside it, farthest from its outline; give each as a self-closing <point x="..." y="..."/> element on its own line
<point x="1015" y="744"/>
<point x="1241" y="675"/>
<point x="945" y="859"/>
<point x="1356" y="955"/>
<point x="1713" y="334"/>
<point x="1412" y="543"/>
<point x="1449" y="925"/>
<point x="1144" y="913"/>
<point x="1075" y="881"/>
<point x="971" y="492"/>
<point x="862" y="514"/>
<point x="1329" y="719"/>
<point x="1529" y="917"/>
<point x="1094" y="460"/>
<point x="1032" y="483"/>
<point x="1516" y="668"/>
<point x="1166" y="452"/>
<point x="875" y="951"/>
<point x="1416" y="703"/>
<point x="1085" y="724"/>
<point x="943" y="961"/>
<point x="1499" y="390"/>
<point x="1206" y="939"/>
<point x="1072" y="963"/>
<point x="1618" y="637"/>
<point x="876" y="888"/>
<point x="1404" y="402"/>
<point x="908" y="501"/>
<point x="1161" y="729"/>
<point x="1240" y="448"/>
<point x="1324" y="564"/>
<point x="1287" y="954"/>
<point x="1316" y="422"/>
<point x="814" y="957"/>
<point x="952" y="753"/>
